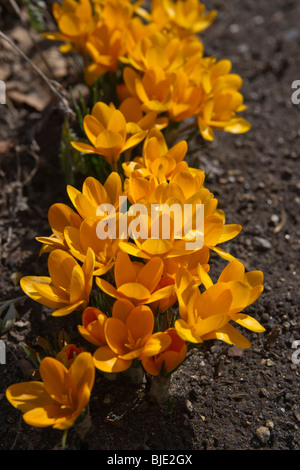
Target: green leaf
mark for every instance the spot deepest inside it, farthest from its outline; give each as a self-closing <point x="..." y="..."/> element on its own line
<point x="35" y="10"/>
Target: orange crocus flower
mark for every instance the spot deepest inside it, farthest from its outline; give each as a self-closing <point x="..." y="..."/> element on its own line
<point x="129" y="334"/>
<point x="168" y="360"/>
<point x="136" y="281"/>
<point x="92" y="328"/>
<point x="60" y="397"/>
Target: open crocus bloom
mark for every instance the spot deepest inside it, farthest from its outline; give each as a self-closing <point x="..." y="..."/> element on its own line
<point x="152" y="89"/>
<point x="60" y="216"/>
<point x="136" y="281"/>
<point x="184" y="212"/>
<point x="80" y="240"/>
<point x="106" y="130"/>
<point x="136" y="119"/>
<point x="158" y="50"/>
<point x="157" y="159"/>
<point x="207" y="315"/>
<point x="184" y="17"/>
<point x="222" y="101"/>
<point x="75" y="21"/>
<point x="165" y="362"/>
<point x="68" y="287"/>
<point x="129" y="334"/>
<point x="60" y="398"/>
<point x="94" y="194"/>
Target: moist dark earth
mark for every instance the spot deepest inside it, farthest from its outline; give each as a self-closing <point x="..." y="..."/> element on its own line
<point x="222" y="398"/>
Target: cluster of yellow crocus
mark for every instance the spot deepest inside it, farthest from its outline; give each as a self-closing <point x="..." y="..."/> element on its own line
<point x="158" y="297"/>
<point x="160" y="58"/>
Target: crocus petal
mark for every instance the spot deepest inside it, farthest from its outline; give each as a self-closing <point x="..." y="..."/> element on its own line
<point x="102" y="112"/>
<point x="135" y="292"/>
<point x="60" y="216"/>
<point x="70" y="25"/>
<point x="162" y="293"/>
<point x="116" y="335"/>
<point x="156" y="247"/>
<point x="106" y="287"/>
<point x="92" y="128"/>
<point x="108" y="140"/>
<point x="27" y="395"/>
<point x="151" y="273"/>
<point x="39" y="289"/>
<point x="77" y="285"/>
<point x="108" y="361"/>
<point x="83" y="147"/>
<point x="121" y="309"/>
<point x="43" y="417"/>
<point x="67" y="309"/>
<point x="248" y="322"/>
<point x="82" y="372"/>
<point x="124" y="269"/>
<point x="234" y="271"/>
<point x="185" y="332"/>
<point x="60" y="266"/>
<point x="229" y="231"/>
<point x="55" y="378"/>
<point x="254" y="278"/>
<point x="215" y="322"/>
<point x="133" y="250"/>
<point x="140" y="322"/>
<point x="134" y="140"/>
<point x="157" y="343"/>
<point x="230" y="335"/>
<point x="223" y="253"/>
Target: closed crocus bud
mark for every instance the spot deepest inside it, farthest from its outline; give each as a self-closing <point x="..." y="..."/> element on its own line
<point x="92" y="328"/>
<point x="68" y="354"/>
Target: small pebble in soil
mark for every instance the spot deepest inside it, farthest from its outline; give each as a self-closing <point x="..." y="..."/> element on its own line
<point x="261" y="243"/>
<point x="263" y="434"/>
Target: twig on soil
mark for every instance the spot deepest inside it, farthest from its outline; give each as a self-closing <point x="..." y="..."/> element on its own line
<point x="52" y="84"/>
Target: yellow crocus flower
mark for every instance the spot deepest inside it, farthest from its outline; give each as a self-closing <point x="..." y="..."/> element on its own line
<point x="75" y="21"/>
<point x="189" y="16"/>
<point x="106" y="129"/>
<point x="185" y="17"/>
<point x="60" y="216"/>
<point x="184" y="191"/>
<point x="157" y="159"/>
<point x="222" y="99"/>
<point x="81" y="240"/>
<point x="60" y="397"/>
<point x="93" y="194"/>
<point x="67" y="288"/>
<point x="206" y="315"/>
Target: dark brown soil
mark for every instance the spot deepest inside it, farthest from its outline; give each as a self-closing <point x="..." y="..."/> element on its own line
<point x="221" y="397"/>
